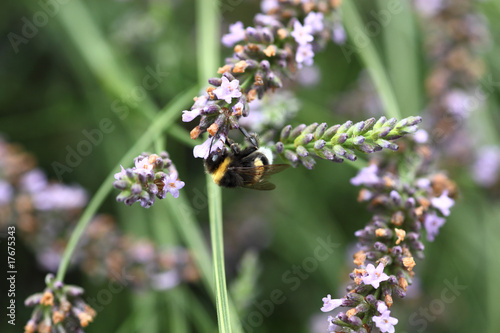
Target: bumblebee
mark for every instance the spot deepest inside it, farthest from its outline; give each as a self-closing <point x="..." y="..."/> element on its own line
<point x="249" y="168"/>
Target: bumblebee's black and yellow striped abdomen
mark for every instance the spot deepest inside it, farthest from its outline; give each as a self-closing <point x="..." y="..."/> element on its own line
<point x="236" y="169"/>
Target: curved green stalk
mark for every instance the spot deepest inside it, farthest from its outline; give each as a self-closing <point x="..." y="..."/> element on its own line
<point x="368" y="54"/>
<point x="208" y="44"/>
<point x="161" y="122"/>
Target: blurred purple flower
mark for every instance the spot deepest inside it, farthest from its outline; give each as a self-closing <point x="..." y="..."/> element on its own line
<point x="165" y="280"/>
<point x="236" y="34"/>
<point x="432" y="223"/>
<point x="6" y="193"/>
<point x="60" y="197"/>
<point x="314" y="21"/>
<point x="428" y="8"/>
<point x="304" y="55"/>
<point x="459" y="103"/>
<point x="486" y="168"/>
<point x="308" y="76"/>
<point x="268" y="5"/>
<point x="423" y="183"/>
<point x="366" y="176"/>
<point x="339" y="35"/>
<point x="421" y="136"/>
<point x="443" y="203"/>
<point x="302" y="34"/>
<point x="34" y="180"/>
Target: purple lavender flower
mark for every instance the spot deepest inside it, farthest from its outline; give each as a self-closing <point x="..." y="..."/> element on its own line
<point x="304" y="55"/>
<point x="421" y="136"/>
<point x="172" y="185"/>
<point x="486" y="168"/>
<point x="432" y="223"/>
<point x="429" y="8"/>
<point x="308" y="76"/>
<point x="366" y="176"/>
<point x="152" y="177"/>
<point x="60" y="197"/>
<point x="443" y="203"/>
<point x="459" y="103"/>
<point x="314" y="21"/>
<point x="385" y="322"/>
<point x="339" y="35"/>
<point x="188" y="116"/>
<point x="330" y="304"/>
<point x="143" y="167"/>
<point x="228" y="90"/>
<point x="375" y="275"/>
<point x="269" y="5"/>
<point x="203" y="150"/>
<point x="34" y="180"/>
<point x="165" y="280"/>
<point x="238" y="108"/>
<point x="121" y="174"/>
<point x="302" y="34"/>
<point x="6" y="193"/>
<point x="423" y="183"/>
<point x="236" y="34"/>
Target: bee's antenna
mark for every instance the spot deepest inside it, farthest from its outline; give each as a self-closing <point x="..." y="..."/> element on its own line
<point x="251" y="138"/>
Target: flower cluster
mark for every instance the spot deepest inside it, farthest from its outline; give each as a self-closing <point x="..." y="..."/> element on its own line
<point x="406" y="198"/>
<point x="28" y="196"/>
<point x="152" y="176"/>
<point x="454" y="32"/>
<point x="60" y="308"/>
<point x="139" y="263"/>
<point x="42" y="210"/>
<point x="302" y="143"/>
<point x="282" y="40"/>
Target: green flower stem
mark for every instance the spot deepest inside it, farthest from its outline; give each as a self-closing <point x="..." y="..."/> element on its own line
<point x="215" y="215"/>
<point x="161" y="122"/>
<point x="207" y="19"/>
<point x="100" y="58"/>
<point x="368" y="54"/>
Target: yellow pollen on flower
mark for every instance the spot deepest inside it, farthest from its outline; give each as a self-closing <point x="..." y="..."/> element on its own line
<point x="409" y="263"/>
<point x="224" y="69"/>
<point x="282" y="33"/>
<point x="213" y="129"/>
<point x="388" y="300"/>
<point x="57" y="317"/>
<point x="380" y="232"/>
<point x="351" y="312"/>
<point x="85" y="319"/>
<point x="152" y="158"/>
<point x="30" y="327"/>
<point x="47" y="299"/>
<point x="400" y="233"/>
<point x="270" y="51"/>
<point x="240" y="67"/>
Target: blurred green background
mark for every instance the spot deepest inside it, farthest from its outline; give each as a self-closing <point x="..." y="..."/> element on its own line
<point x="81" y="66"/>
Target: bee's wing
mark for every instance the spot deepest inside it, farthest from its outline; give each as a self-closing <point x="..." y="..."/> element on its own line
<point x="266" y="170"/>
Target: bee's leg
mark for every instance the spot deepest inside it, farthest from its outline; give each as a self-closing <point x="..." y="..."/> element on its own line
<point x="251" y="137"/>
<point x="235" y="148"/>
